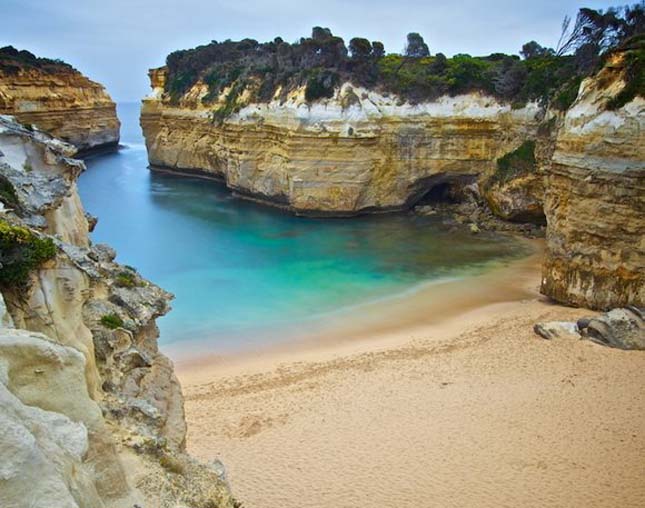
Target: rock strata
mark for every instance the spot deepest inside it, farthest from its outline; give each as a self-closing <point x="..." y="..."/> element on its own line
<point x="57" y="99"/>
<point x="594" y="199"/>
<point x="334" y="156"/>
<point x="85" y="388"/>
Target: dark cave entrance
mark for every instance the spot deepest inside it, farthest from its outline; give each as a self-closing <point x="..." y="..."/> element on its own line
<point x="442" y="189"/>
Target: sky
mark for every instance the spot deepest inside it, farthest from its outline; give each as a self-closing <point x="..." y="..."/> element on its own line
<point x="115" y="42"/>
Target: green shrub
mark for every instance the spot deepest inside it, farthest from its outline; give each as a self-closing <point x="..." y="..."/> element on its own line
<point x="8" y="194"/>
<point x="21" y="251"/>
<point x="230" y="104"/>
<point x="320" y="84"/>
<point x="634" y="76"/>
<point x="322" y="61"/>
<point x="567" y="95"/>
<point x="112" y="321"/>
<point x="126" y="279"/>
<point x="520" y="161"/>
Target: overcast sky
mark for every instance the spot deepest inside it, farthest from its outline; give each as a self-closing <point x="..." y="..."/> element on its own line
<point x="116" y="41"/>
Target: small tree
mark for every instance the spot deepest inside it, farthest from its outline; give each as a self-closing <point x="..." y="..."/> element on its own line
<point x="534" y="50"/>
<point x="439" y="64"/>
<point x="378" y="50"/>
<point x="416" y="46"/>
<point x="320" y="34"/>
<point x="360" y="48"/>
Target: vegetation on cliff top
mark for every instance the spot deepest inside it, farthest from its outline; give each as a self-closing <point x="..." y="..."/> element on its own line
<point x="21" y="251"/>
<point x="634" y="50"/>
<point x="322" y="61"/>
<point x="13" y="60"/>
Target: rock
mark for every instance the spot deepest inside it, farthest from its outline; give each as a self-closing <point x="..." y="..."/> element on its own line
<point x="37" y="449"/>
<point x="594" y="200"/>
<point x="425" y="210"/>
<point x="103" y="253"/>
<point x="557" y="330"/>
<point x="92" y="221"/>
<point x="113" y="385"/>
<point x="59" y="100"/>
<point x="583" y="322"/>
<point x="618" y="328"/>
<point x="302" y="157"/>
<point x="6" y="321"/>
<point x="52" y="427"/>
<point x="520" y="199"/>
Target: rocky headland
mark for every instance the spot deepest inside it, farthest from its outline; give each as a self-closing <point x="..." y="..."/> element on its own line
<point x="531" y="141"/>
<point x="92" y="413"/>
<point x="54" y="97"/>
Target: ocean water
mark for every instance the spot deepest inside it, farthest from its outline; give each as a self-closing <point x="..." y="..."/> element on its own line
<point x="244" y="274"/>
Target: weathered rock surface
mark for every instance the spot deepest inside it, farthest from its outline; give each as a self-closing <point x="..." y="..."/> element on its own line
<point x="518" y="200"/>
<point x="96" y="370"/>
<point x="594" y="200"/>
<point x="618" y="328"/>
<point x="557" y="330"/>
<point x="336" y="156"/>
<point x="59" y="100"/>
<point x="54" y="445"/>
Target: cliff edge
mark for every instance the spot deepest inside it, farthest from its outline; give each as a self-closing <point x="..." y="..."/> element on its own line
<point x="54" y="97"/>
<point x="595" y="197"/>
<point x="91" y="410"/>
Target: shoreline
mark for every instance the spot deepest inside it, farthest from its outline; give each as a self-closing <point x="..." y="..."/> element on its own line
<point x="380" y="321"/>
<point x="467" y="408"/>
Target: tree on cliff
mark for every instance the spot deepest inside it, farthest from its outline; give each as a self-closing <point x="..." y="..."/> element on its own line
<point x="378" y="50"/>
<point x="416" y="46"/>
<point x="360" y="48"/>
<point x="534" y="50"/>
<point x="596" y="31"/>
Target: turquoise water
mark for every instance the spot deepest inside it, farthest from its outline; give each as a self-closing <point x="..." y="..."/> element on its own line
<point x="242" y="272"/>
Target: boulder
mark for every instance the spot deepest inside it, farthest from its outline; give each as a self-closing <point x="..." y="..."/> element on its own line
<point x="552" y="330"/>
<point x="618" y="328"/>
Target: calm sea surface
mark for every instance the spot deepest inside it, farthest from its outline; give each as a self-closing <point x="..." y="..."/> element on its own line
<point x="242" y="273"/>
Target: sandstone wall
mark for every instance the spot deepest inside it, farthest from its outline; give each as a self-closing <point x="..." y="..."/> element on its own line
<point x="64" y="103"/>
<point x="595" y="200"/>
<point x="80" y="396"/>
<point x="357" y="152"/>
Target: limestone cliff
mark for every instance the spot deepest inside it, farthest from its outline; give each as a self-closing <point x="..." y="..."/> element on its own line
<point x="94" y="410"/>
<point x="595" y="199"/>
<point x="331" y="147"/>
<point x="358" y="151"/>
<point x="57" y="99"/>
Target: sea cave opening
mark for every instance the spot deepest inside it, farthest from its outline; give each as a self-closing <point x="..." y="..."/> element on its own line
<point x="441" y="189"/>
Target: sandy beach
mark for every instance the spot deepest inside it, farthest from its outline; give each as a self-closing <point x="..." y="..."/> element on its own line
<point x="446" y="399"/>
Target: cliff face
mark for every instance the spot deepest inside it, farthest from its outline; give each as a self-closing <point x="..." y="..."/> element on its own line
<point x="84" y="389"/>
<point x="59" y="100"/>
<point x="594" y="203"/>
<point x="358" y="151"/>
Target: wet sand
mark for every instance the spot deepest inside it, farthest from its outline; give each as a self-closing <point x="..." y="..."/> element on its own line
<point x="446" y="398"/>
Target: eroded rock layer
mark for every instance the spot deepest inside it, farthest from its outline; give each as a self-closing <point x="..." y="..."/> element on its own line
<point x="595" y="200"/>
<point x="356" y="152"/>
<point x="90" y="406"/>
<point x="59" y="100"/>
